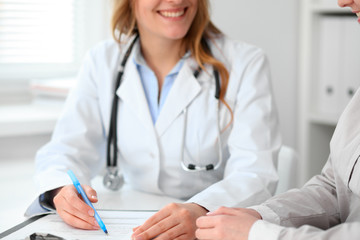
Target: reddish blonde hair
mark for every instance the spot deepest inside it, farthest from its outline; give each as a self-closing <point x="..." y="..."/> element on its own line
<point x="123" y="22"/>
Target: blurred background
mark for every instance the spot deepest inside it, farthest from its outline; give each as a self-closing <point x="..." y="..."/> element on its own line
<point x="43" y="42"/>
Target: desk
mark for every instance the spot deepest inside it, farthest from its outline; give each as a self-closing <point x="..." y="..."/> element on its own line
<point x="125" y="199"/>
<point x="128" y="199"/>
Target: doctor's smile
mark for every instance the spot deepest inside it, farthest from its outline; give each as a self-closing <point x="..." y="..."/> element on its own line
<point x="172" y="13"/>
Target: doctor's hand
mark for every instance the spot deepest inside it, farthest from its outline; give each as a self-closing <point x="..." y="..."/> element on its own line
<point x="227" y="223"/>
<point x="73" y="210"/>
<point x="174" y="221"/>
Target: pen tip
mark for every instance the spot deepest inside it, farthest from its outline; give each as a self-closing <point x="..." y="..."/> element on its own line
<point x="106" y="232"/>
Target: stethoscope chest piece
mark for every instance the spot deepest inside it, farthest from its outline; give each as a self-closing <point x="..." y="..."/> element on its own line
<point x="113" y="180"/>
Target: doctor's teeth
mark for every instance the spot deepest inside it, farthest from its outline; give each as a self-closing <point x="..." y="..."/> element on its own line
<point x="358" y="14"/>
<point x="172" y="14"/>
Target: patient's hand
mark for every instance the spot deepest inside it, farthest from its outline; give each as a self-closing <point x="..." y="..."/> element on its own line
<point x="73" y="210"/>
<point x="227" y="223"/>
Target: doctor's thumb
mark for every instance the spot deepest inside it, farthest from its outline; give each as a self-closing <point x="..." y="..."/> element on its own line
<point x="91" y="193"/>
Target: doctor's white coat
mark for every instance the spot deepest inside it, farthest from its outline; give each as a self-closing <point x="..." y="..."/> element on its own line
<point x="150" y="155"/>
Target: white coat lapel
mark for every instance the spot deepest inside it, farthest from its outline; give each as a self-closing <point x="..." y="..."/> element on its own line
<point x="185" y="89"/>
<point x="131" y="92"/>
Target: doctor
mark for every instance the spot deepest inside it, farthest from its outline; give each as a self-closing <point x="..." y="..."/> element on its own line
<point x="326" y="208"/>
<point x="195" y="119"/>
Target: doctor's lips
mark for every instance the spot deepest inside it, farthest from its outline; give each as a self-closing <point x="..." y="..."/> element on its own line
<point x="173" y="13"/>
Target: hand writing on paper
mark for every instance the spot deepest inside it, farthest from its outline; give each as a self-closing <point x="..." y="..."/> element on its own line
<point x="174" y="221"/>
<point x="73" y="210"/>
<point x="227" y="223"/>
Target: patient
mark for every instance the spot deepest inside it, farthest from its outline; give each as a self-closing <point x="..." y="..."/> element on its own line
<point x="327" y="207"/>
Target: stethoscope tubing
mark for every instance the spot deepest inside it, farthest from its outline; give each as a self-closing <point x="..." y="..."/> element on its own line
<point x="112" y="137"/>
<point x="112" y="179"/>
<point x="196" y="168"/>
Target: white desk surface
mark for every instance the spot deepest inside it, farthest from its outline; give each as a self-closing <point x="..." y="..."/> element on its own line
<point x="128" y="198"/>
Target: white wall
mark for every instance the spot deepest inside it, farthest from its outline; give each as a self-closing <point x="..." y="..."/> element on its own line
<point x="273" y="26"/>
<point x="15" y="90"/>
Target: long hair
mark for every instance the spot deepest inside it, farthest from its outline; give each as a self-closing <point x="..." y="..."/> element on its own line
<point x="123" y="22"/>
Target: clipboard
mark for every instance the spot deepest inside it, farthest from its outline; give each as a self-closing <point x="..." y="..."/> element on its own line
<point x="19" y="226"/>
<point x="119" y="223"/>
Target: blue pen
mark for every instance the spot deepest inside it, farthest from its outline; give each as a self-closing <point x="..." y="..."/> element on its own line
<point x="83" y="195"/>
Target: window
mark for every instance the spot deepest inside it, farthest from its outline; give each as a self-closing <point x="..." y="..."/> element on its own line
<point x="31" y="30"/>
<point x="47" y="38"/>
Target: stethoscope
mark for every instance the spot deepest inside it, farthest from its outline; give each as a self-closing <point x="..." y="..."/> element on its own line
<point x="113" y="179"/>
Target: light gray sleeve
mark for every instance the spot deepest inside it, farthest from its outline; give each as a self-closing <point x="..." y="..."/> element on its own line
<point x="341" y="231"/>
<point x="315" y="204"/>
<point x="264" y="230"/>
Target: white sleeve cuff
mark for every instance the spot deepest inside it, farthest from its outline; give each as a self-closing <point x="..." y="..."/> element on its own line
<point x="261" y="230"/>
<point x="35" y="209"/>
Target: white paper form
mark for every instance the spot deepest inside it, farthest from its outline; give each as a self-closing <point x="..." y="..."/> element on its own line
<point x="118" y="223"/>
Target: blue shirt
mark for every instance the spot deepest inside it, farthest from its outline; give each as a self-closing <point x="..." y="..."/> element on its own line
<point x="150" y="82"/>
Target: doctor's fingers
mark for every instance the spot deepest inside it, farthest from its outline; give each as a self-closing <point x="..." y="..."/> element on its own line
<point x="91" y="193"/>
<point x="177" y="212"/>
<point x="154" y="219"/>
<point x="155" y="225"/>
<point x="74" y="221"/>
<point x="174" y="221"/>
<point x="69" y="200"/>
<point x="165" y="231"/>
<point x="74" y="217"/>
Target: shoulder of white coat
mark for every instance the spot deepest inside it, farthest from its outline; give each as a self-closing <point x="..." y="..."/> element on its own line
<point x="109" y="49"/>
<point x="232" y="52"/>
<point x="105" y="49"/>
